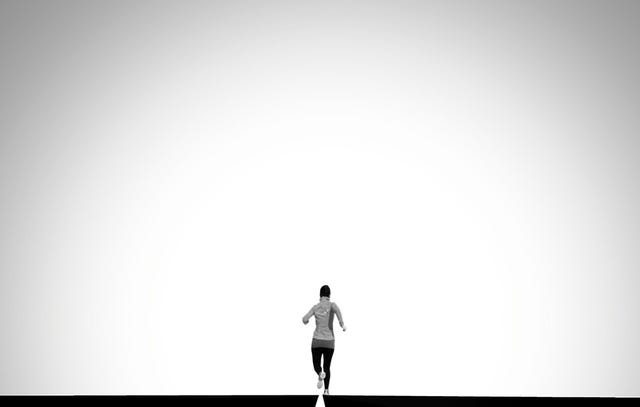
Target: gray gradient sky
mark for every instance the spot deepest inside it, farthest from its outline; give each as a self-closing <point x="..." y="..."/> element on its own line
<point x="178" y="179"/>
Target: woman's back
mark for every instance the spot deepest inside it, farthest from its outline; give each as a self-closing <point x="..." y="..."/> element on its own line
<point x="323" y="313"/>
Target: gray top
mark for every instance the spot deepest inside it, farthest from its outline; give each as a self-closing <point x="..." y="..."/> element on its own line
<point x="324" y="312"/>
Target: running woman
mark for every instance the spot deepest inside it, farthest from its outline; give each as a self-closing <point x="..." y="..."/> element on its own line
<point x="323" y="341"/>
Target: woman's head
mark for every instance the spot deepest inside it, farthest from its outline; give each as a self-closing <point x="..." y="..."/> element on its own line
<point x="325" y="291"/>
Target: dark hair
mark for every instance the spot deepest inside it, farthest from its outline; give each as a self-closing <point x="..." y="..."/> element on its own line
<point x="325" y="291"/>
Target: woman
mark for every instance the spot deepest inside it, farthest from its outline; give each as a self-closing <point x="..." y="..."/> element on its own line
<point x="323" y="341"/>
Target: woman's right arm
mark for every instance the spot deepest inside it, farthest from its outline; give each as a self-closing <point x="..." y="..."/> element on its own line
<point x="336" y="309"/>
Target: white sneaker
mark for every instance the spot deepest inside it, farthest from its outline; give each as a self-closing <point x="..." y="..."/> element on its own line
<point x="326" y="392"/>
<point x="321" y="377"/>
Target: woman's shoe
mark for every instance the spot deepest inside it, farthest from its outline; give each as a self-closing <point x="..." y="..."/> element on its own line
<point x="326" y="392"/>
<point x="321" y="377"/>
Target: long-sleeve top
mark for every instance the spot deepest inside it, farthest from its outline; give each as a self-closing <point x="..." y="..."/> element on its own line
<point x="323" y="311"/>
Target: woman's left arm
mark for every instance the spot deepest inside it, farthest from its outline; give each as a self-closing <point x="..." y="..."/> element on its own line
<point x="305" y="318"/>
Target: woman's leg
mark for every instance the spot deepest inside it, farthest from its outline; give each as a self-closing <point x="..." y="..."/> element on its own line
<point x="315" y="354"/>
<point x="328" y="354"/>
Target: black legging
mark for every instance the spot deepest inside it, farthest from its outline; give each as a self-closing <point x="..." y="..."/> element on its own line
<point x="328" y="354"/>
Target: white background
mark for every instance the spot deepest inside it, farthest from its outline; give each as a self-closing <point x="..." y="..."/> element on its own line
<point x="179" y="180"/>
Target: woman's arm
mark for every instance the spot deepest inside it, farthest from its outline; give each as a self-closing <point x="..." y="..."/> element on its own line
<point x="305" y="318"/>
<point x="336" y="309"/>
